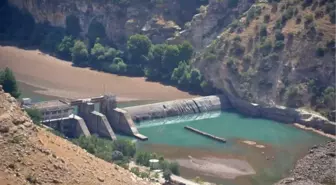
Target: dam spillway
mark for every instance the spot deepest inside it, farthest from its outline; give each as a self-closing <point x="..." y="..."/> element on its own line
<point x="111" y="119"/>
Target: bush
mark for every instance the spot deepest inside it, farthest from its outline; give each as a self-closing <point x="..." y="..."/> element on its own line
<point x="8" y="82"/>
<point x="117" y="155"/>
<point x="136" y="171"/>
<point x="126" y="147"/>
<point x="35" y="115"/>
<point x="80" y="54"/>
<point x="174" y="167"/>
<point x="266" y="18"/>
<point x="263" y="30"/>
<point x="319" y="52"/>
<point x="309" y="18"/>
<point x="279" y="36"/>
<point x="279" y="45"/>
<point x="231" y="63"/>
<point x="266" y="47"/>
<point x="138" y="46"/>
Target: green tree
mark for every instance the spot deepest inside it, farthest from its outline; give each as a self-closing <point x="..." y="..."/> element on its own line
<point x="170" y="60"/>
<point x="154" y="65"/>
<point x="179" y="72"/>
<point x="8" y="82"/>
<point x="126" y="147"/>
<point x="186" y="51"/>
<point x="35" y="115"/>
<point x="79" y="53"/>
<point x="174" y="168"/>
<point x="195" y="78"/>
<point x="63" y="49"/>
<point x="97" y="54"/>
<point x="138" y="47"/>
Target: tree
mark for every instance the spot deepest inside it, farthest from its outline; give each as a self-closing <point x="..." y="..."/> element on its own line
<point x="195" y="78"/>
<point x="97" y="54"/>
<point x="174" y="167"/>
<point x="64" y="47"/>
<point x="8" y="82"/>
<point x="126" y="147"/>
<point x="79" y="53"/>
<point x="170" y="60"/>
<point x="179" y="71"/>
<point x="186" y="51"/>
<point x="154" y="65"/>
<point x="35" y="115"/>
<point x="138" y="47"/>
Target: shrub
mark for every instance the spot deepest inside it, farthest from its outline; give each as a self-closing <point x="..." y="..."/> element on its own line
<point x="279" y="45"/>
<point x="144" y="175"/>
<point x="309" y="18"/>
<point x="266" y="47"/>
<point x="135" y="170"/>
<point x="35" y="115"/>
<point x="319" y="52"/>
<point x="174" y="167"/>
<point x="263" y="30"/>
<point x="231" y="63"/>
<point x="126" y="147"/>
<point x="266" y="18"/>
<point x="117" y="155"/>
<point x="8" y="82"/>
<point x="279" y="36"/>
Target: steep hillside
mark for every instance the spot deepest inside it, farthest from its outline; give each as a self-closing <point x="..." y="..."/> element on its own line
<point x="118" y="19"/>
<point x="316" y="168"/>
<point x="277" y="53"/>
<point x="32" y="155"/>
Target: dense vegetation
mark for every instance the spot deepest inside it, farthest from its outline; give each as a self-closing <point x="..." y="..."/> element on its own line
<point x="8" y="82"/>
<point x="166" y="63"/>
<point x="121" y="151"/>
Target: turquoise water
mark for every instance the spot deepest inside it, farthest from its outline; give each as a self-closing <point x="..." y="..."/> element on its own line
<point x="284" y="143"/>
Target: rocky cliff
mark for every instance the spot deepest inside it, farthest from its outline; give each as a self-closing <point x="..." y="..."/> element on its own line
<point x="280" y="53"/>
<point x="32" y="155"/>
<point x="119" y="19"/>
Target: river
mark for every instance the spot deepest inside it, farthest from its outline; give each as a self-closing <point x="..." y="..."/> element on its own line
<point x="274" y="152"/>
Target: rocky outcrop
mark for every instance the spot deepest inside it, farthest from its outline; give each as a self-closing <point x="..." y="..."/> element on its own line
<point x="317" y="167"/>
<point x="120" y="19"/>
<point x="210" y="22"/>
<point x="178" y="107"/>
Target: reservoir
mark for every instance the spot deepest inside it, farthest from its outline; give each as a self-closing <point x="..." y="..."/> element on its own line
<point x="257" y="151"/>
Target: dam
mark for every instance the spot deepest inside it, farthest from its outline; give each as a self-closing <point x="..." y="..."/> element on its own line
<point x="235" y="162"/>
<point x="108" y="119"/>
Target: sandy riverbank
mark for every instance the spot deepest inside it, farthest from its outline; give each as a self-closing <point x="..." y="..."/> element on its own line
<point x="315" y="131"/>
<point x="58" y="78"/>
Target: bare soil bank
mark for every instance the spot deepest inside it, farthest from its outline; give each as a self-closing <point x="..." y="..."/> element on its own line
<point x="60" y="79"/>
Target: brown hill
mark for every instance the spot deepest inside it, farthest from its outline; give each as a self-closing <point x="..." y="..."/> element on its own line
<point x="32" y="155"/>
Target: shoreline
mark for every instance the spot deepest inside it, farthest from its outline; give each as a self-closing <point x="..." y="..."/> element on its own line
<point x="319" y="132"/>
<point x="58" y="78"/>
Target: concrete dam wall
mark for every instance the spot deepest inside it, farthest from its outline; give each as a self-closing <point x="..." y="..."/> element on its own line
<point x="178" y="107"/>
<point x="224" y="102"/>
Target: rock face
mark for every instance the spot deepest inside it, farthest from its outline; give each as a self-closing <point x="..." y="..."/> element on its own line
<point x="159" y="20"/>
<point x="317" y="167"/>
<point x="211" y="21"/>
